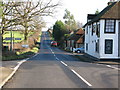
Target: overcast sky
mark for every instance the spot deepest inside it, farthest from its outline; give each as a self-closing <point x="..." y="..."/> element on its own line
<point x="79" y="8"/>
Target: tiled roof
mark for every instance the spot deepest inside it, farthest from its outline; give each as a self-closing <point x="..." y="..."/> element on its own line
<point x="114" y="12"/>
<point x="103" y="12"/>
<point x="80" y="31"/>
<point x="91" y="16"/>
<point x="74" y="37"/>
<point x="81" y="40"/>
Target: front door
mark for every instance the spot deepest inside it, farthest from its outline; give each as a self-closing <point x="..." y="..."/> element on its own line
<point x="119" y="40"/>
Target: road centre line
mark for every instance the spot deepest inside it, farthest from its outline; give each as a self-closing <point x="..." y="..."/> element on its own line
<point x="81" y="77"/>
<point x="64" y="63"/>
<point x="57" y="58"/>
<point x="72" y="70"/>
<point x="77" y="74"/>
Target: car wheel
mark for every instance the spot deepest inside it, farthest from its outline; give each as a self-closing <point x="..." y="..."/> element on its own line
<point x="78" y="51"/>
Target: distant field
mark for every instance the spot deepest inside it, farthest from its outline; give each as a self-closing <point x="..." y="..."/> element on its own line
<point x="15" y="34"/>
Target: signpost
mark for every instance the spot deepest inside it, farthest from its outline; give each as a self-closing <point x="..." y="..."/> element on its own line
<point x="25" y="46"/>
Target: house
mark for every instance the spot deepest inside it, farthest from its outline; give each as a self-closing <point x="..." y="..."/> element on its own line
<point x="80" y="41"/>
<point x="76" y="39"/>
<point x="50" y="31"/>
<point x="102" y="33"/>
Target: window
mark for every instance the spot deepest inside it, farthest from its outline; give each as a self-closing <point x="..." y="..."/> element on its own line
<point x="87" y="29"/>
<point x="86" y="46"/>
<point x="97" y="46"/>
<point x="108" y="46"/>
<point x="92" y="29"/>
<point x="98" y="30"/>
<point x="109" y="26"/>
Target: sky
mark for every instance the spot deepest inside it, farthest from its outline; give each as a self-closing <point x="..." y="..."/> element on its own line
<point x="79" y="8"/>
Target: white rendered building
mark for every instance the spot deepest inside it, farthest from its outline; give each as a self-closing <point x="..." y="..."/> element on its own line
<point x="102" y="33"/>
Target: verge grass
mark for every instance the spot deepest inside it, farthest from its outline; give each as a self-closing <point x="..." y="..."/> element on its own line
<point x="24" y="54"/>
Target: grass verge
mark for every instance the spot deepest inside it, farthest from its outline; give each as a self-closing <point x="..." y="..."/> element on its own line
<point x="21" y="55"/>
<point x="7" y="55"/>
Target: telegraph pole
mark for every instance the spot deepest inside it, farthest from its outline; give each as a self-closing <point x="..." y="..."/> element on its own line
<point x="11" y="42"/>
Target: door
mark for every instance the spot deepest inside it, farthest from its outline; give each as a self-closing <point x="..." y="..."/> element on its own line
<point x="119" y="40"/>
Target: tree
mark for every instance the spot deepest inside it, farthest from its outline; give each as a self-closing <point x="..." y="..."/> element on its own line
<point x="28" y="10"/>
<point x="69" y="20"/>
<point x="79" y="25"/>
<point x="6" y="17"/>
<point x="59" y="31"/>
<point x="97" y="11"/>
<point x="0" y="8"/>
<point x="27" y="15"/>
<point x="0" y="26"/>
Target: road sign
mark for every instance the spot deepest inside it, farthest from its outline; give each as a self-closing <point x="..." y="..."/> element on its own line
<point x="25" y="46"/>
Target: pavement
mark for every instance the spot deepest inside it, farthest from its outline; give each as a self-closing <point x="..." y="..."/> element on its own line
<point x="87" y="58"/>
<point x="8" y="69"/>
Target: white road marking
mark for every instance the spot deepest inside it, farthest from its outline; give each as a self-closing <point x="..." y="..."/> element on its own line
<point x="35" y="55"/>
<point x="81" y="77"/>
<point x="112" y="67"/>
<point x="27" y="58"/>
<point x="19" y="64"/>
<point x="14" y="70"/>
<point x="64" y="63"/>
<point x="57" y="58"/>
<point x="53" y="52"/>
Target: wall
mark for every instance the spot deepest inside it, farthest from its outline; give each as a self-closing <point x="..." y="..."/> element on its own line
<point x="119" y="39"/>
<point x="91" y="40"/>
<point x="108" y="36"/>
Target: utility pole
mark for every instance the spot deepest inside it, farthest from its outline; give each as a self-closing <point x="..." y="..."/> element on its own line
<point x="11" y="42"/>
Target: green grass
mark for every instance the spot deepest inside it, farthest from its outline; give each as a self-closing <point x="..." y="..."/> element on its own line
<point x="0" y="8"/>
<point x="20" y="55"/>
<point x="16" y="34"/>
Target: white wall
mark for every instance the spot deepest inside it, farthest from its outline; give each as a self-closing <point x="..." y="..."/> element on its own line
<point x="91" y="40"/>
<point x="108" y="36"/>
<point x="119" y="39"/>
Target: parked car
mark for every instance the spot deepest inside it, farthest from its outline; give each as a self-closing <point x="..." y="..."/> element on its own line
<point x="78" y="50"/>
<point x="54" y="43"/>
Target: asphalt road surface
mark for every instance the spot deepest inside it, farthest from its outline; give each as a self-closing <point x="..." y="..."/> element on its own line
<point x="54" y="68"/>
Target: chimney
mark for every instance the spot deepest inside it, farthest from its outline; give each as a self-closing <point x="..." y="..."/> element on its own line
<point x="110" y="2"/>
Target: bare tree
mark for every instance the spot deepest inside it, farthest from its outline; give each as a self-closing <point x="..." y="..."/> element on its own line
<point x="27" y="11"/>
<point x="6" y="20"/>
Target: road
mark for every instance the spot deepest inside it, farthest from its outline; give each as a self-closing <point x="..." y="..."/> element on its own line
<point x="54" y="68"/>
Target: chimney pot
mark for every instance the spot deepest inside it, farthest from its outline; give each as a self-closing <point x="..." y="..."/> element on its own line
<point x="110" y="2"/>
